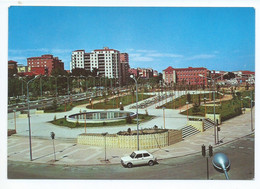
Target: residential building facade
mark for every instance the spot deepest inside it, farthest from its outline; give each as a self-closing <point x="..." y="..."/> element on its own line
<point x="106" y="60"/>
<point x="124" y="61"/>
<point x="142" y="72"/>
<point x="169" y="75"/>
<point x="188" y="76"/>
<point x="22" y="68"/>
<point x="12" y="65"/>
<point x="45" y="61"/>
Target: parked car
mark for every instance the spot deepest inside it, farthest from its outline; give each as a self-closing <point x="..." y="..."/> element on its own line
<point x="138" y="158"/>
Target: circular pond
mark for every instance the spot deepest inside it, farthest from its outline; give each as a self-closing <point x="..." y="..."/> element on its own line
<point x="100" y="116"/>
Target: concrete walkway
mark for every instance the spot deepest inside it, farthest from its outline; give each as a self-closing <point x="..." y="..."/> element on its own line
<point x="70" y="153"/>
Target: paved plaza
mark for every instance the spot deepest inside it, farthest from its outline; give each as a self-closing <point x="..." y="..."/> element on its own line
<point x="68" y="152"/>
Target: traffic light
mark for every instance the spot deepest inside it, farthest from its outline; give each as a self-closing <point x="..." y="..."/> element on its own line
<point x="210" y="151"/>
<point x="203" y="150"/>
<point x="218" y="128"/>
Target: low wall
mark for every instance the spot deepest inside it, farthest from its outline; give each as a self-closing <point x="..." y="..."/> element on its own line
<point x="217" y="117"/>
<point x="174" y="136"/>
<point x="11" y="132"/>
<point x="39" y="112"/>
<point x="196" y="124"/>
<point x="147" y="141"/>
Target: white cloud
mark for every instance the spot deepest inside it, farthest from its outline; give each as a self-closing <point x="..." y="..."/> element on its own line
<point x="146" y="51"/>
<point x="60" y="51"/>
<point x="201" y="56"/>
<point x="165" y="55"/>
<point x="20" y="51"/>
<point x="42" y="50"/>
<point x="17" y="58"/>
<point x="140" y="57"/>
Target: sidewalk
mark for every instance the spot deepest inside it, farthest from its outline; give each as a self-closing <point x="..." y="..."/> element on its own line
<point x="70" y="153"/>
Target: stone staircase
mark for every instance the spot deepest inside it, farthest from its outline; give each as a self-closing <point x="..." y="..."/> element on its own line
<point x="208" y="123"/>
<point x="189" y="131"/>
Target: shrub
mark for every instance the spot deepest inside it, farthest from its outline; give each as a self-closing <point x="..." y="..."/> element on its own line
<point x="129" y="130"/>
<point x="104" y="123"/>
<point x="77" y="124"/>
<point x="146" y="112"/>
<point x="128" y="119"/>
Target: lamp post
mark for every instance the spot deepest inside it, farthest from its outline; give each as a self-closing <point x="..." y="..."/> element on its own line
<point x="187" y="103"/>
<point x="251" y="105"/>
<point x="14" y="119"/>
<point x="132" y="76"/>
<point x="53" y="137"/>
<point x="214" y="107"/>
<point x="105" y="144"/>
<point x="221" y="162"/>
<point x="163" y="117"/>
<point x="28" y="108"/>
<point x="85" y="122"/>
<point x="205" y="105"/>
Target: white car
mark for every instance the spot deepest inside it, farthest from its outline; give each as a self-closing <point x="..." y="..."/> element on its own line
<point x="138" y="158"/>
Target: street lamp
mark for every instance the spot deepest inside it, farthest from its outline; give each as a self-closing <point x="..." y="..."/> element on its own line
<point x="251" y="105"/>
<point x="14" y="119"/>
<point x="221" y="162"/>
<point x="29" y="121"/>
<point x="132" y="76"/>
<point x="105" y="144"/>
<point x="205" y="105"/>
<point x="187" y="110"/>
<point x="215" y="132"/>
<point x="53" y="137"/>
<point x="163" y="117"/>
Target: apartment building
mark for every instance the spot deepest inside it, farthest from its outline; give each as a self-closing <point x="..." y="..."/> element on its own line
<point x="106" y="60"/>
<point x="142" y="72"/>
<point x="47" y="61"/>
<point x="188" y="76"/>
<point x="124" y="61"/>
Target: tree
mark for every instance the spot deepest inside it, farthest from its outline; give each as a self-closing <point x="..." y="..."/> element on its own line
<point x="57" y="71"/>
<point x="128" y="119"/>
<point x="94" y="72"/>
<point x="196" y="108"/>
<point x="189" y="97"/>
<point x="54" y="104"/>
<point x="229" y="76"/>
<point x="78" y="72"/>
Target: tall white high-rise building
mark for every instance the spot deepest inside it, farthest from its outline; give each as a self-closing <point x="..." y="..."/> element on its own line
<point x="106" y="60"/>
<point x="77" y="59"/>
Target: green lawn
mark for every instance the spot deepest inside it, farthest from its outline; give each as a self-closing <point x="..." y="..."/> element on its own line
<point x="115" y="102"/>
<point x="227" y="109"/>
<point x="64" y="123"/>
<point x="194" y="98"/>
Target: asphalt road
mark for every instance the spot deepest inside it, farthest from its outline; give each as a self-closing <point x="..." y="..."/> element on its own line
<point x="192" y="167"/>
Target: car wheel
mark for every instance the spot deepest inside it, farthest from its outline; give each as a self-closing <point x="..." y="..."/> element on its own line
<point x="151" y="163"/>
<point x="129" y="165"/>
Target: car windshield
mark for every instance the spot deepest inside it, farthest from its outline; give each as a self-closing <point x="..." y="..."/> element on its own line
<point x="132" y="155"/>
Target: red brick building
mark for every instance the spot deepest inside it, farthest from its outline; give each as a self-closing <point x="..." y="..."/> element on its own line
<point x="133" y="71"/>
<point x="188" y="76"/>
<point x="124" y="61"/>
<point x="45" y="61"/>
<point x="12" y="65"/>
<point x="142" y="72"/>
<point x="169" y="75"/>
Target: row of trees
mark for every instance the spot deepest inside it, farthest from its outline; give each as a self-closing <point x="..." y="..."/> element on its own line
<point x="79" y="79"/>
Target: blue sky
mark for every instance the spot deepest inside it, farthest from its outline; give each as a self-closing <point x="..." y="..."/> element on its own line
<point x="215" y="38"/>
